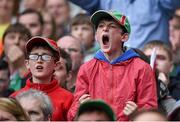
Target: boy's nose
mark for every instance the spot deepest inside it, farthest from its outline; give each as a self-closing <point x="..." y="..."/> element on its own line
<point x="16" y="41"/>
<point x="39" y="59"/>
<point x="105" y="28"/>
<point x="79" y="34"/>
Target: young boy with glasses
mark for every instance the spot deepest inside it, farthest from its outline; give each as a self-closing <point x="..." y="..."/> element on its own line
<point x="42" y="60"/>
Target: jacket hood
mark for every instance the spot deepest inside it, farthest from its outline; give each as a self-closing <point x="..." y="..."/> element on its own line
<point x="124" y="57"/>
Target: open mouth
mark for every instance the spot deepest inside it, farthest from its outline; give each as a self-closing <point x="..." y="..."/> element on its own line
<point x="39" y="67"/>
<point x="105" y="39"/>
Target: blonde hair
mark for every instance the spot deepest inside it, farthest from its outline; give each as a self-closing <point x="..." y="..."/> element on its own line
<point x="12" y="106"/>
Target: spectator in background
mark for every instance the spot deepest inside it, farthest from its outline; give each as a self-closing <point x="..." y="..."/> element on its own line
<point x="82" y="28"/>
<point x="49" y="26"/>
<point x="73" y="46"/>
<point x="14" y="40"/>
<point x="42" y="60"/>
<point x="151" y="115"/>
<point x="177" y="12"/>
<point x="175" y="31"/>
<point x="37" y="104"/>
<point x="175" y="37"/>
<point x="175" y="41"/>
<point x="11" y="110"/>
<point x="60" y="10"/>
<point x="33" y="4"/>
<point x="32" y="20"/>
<point x="64" y="73"/>
<point x="164" y="65"/>
<point x="95" y="110"/>
<point x="164" y="60"/>
<point x="148" y="18"/>
<point x="4" y="79"/>
<point x="8" y="10"/>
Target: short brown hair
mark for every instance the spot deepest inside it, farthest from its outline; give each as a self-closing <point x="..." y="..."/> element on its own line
<point x="81" y="19"/>
<point x="17" y="28"/>
<point x="161" y="45"/>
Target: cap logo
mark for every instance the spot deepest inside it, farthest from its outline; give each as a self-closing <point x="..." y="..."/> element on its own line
<point x="53" y="43"/>
<point x="122" y="21"/>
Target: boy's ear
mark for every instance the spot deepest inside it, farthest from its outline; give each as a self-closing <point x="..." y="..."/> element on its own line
<point x="27" y="64"/>
<point x="125" y="37"/>
<point x="57" y="65"/>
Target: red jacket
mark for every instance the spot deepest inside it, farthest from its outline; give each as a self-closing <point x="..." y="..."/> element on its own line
<point x="127" y="78"/>
<point x="61" y="98"/>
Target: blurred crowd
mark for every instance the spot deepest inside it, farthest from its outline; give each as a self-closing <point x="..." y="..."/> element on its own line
<point x="155" y="37"/>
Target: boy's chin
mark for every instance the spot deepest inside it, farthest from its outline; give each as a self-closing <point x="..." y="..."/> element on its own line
<point x="105" y="50"/>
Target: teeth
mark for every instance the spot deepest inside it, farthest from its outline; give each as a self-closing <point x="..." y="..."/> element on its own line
<point x="39" y="67"/>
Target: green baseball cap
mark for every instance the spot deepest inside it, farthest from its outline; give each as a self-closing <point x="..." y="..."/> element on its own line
<point x="121" y="19"/>
<point x="97" y="105"/>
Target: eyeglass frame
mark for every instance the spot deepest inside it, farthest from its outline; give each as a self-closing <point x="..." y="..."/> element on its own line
<point x="41" y="57"/>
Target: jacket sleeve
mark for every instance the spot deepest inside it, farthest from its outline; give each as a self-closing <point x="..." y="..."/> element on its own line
<point x="146" y="88"/>
<point x="81" y="88"/>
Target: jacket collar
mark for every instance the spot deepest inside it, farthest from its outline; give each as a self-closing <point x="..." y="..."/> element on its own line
<point x="42" y="87"/>
<point x="124" y="57"/>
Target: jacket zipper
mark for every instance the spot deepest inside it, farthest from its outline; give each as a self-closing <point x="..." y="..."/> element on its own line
<point x="111" y="84"/>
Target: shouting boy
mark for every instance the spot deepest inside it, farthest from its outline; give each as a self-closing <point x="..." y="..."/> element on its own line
<point x="42" y="60"/>
<point x="113" y="75"/>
